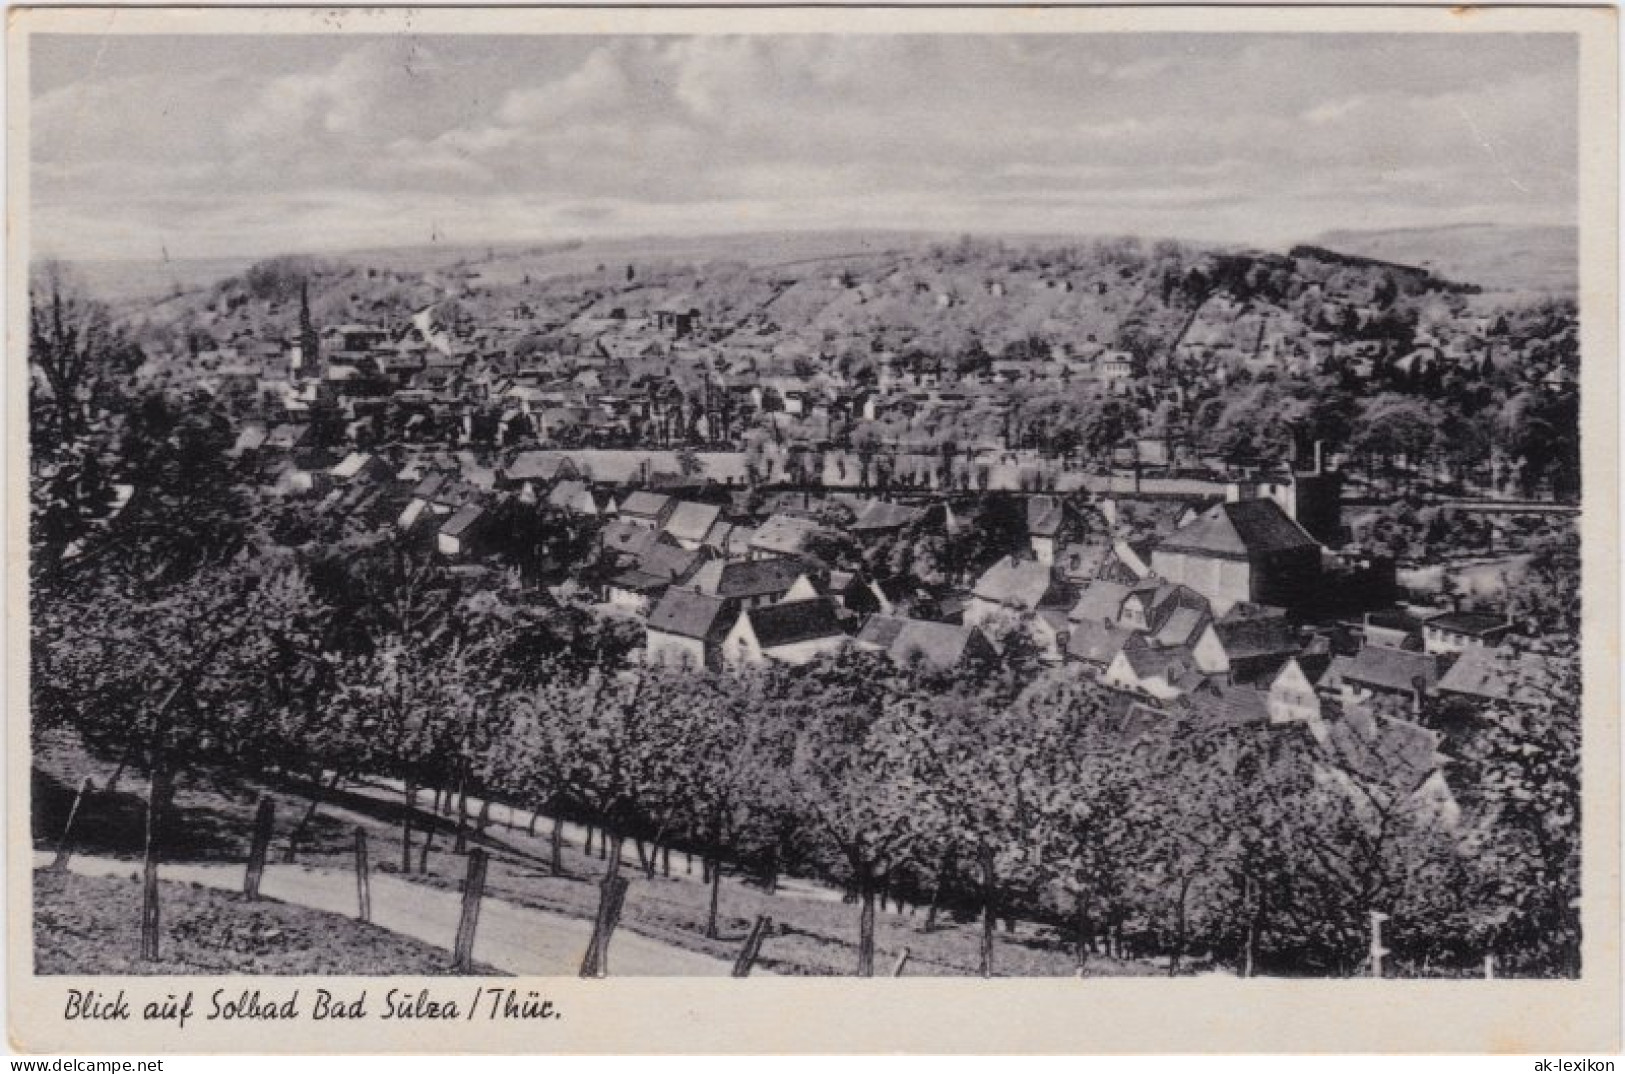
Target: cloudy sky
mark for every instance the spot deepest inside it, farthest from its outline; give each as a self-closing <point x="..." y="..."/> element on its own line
<point x="224" y="146"/>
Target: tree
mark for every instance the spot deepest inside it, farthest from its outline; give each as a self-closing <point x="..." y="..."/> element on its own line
<point x="76" y="352"/>
<point x="854" y="768"/>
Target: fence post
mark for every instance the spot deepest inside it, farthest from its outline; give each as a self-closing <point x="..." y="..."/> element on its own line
<point x="612" y="895"/>
<point x="263" y="818"/>
<point x="902" y="961"/>
<point x="1377" y="949"/>
<point x="363" y="884"/>
<point x="753" y="946"/>
<point x="64" y="849"/>
<point x="473" y="891"/>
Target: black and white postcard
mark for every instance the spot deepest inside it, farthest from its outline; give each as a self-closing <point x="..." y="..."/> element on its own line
<point x="923" y="530"/>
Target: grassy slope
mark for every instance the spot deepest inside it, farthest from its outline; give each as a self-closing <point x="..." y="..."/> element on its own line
<point x="92" y="925"/>
<point x="813" y="935"/>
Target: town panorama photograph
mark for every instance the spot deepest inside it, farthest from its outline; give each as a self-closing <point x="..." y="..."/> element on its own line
<point x="827" y="504"/>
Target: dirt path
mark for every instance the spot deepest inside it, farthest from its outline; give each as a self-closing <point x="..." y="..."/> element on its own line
<point x="514" y="939"/>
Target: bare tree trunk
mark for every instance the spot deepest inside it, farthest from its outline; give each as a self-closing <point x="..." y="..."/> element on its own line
<point x="296" y="836"/>
<point x="866" y="928"/>
<point x="665" y="861"/>
<point x="531" y="831"/>
<point x="989" y="911"/>
<point x="423" y="854"/>
<point x="1082" y="921"/>
<point x="410" y="795"/>
<point x="1179" y="928"/>
<point x="158" y="796"/>
<point x="461" y="844"/>
<point x="716" y="887"/>
<point x="556" y="845"/>
<point x="644" y="862"/>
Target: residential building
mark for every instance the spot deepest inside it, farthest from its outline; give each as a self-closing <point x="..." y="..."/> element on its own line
<point x="1455" y="632"/>
<point x="686" y="628"/>
<point x="939" y="646"/>
<point x="1244" y="551"/>
<point x="795" y="632"/>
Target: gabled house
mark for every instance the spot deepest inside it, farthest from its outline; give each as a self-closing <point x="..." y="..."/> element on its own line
<point x="939" y="646"/>
<point x="754" y="583"/>
<point x="686" y="628"/>
<point x="647" y="509"/>
<point x="1455" y="632"/>
<point x="660" y="567"/>
<point x="1377" y="671"/>
<point x="1015" y="587"/>
<point x="782" y="535"/>
<point x="1256" y="647"/>
<point x="689" y="523"/>
<point x="794" y="632"/>
<point x="1048" y="525"/>
<point x="1291" y="694"/>
<point x="1484" y="675"/>
<point x="533" y="472"/>
<point x="457" y="535"/>
<point x="1249" y="550"/>
<point x="577" y="498"/>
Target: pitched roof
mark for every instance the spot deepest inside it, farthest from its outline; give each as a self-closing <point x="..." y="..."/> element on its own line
<point x="628" y="537"/>
<point x="1392" y="669"/>
<point x="1240" y="529"/>
<point x="1247" y="638"/>
<point x="682" y="611"/>
<point x="567" y="493"/>
<point x="1181" y="627"/>
<point x="748" y="578"/>
<point x="1095" y="642"/>
<point x="692" y="521"/>
<point x="668" y="561"/>
<point x="941" y="645"/>
<point x="1099" y="602"/>
<point x="878" y="516"/>
<point x="1015" y="583"/>
<point x="1497" y="675"/>
<point x="776" y="625"/>
<point x="1383" y="748"/>
<point x="645" y="504"/>
<point x="1235" y="705"/>
<point x="785" y="534"/>
<point x="462" y="520"/>
<point x="1045" y="516"/>
<point x="1473" y="623"/>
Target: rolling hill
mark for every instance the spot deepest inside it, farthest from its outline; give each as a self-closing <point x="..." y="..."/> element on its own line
<point x="1497" y="257"/>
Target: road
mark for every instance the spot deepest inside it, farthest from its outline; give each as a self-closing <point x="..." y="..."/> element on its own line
<point x="514" y="939"/>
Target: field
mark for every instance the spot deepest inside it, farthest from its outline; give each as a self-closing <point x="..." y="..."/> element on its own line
<point x="1496" y="257"/>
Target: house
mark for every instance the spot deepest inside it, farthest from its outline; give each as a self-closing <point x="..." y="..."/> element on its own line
<point x="754" y="583"/>
<point x="1455" y="632"/>
<point x="1393" y="630"/>
<point x="1484" y="675"/>
<point x="1047" y="523"/>
<point x="1249" y="550"/>
<point x="1014" y="588"/>
<point x="359" y="467"/>
<point x="1291" y="694"/>
<point x="875" y="519"/>
<point x="647" y="509"/>
<point x="686" y="628"/>
<point x="1108" y="615"/>
<point x="577" y="498"/>
<point x="1164" y="674"/>
<point x="1377" y="671"/>
<point x="629" y="539"/>
<point x="660" y="567"/>
<point x="689" y="523"/>
<point x="457" y="534"/>
<point x="794" y="632"/>
<point x="1257" y="646"/>
<point x="782" y="535"/>
<point x="939" y="646"/>
<point x="1392" y="759"/>
<point x="289" y="436"/>
<point x="532" y="471"/>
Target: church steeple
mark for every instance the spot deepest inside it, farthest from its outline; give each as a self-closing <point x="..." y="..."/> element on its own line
<point x="309" y="344"/>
